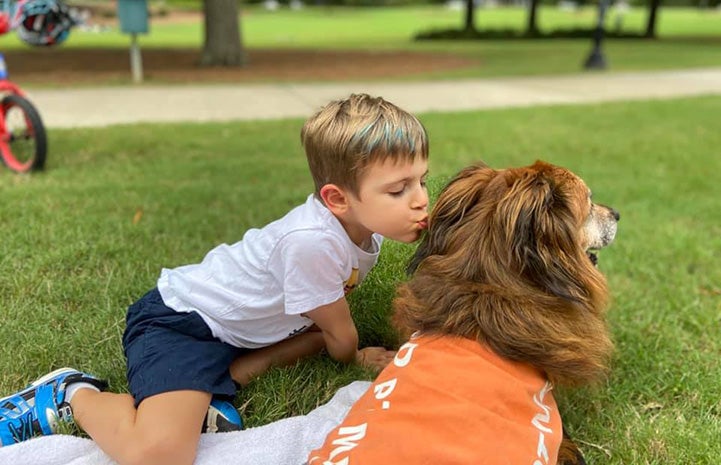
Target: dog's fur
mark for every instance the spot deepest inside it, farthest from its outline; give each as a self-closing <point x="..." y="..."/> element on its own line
<point x="507" y="261"/>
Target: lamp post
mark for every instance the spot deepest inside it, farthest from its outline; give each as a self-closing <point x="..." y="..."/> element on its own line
<point x="596" y="59"/>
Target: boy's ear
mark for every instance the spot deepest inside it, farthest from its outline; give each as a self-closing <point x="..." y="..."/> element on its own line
<point x="335" y="198"/>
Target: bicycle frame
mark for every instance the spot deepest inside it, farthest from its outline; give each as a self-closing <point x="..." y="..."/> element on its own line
<point x="13" y="97"/>
<point x="9" y="87"/>
<point x="6" y="85"/>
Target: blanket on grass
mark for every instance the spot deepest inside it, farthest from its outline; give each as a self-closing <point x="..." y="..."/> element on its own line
<point x="284" y="442"/>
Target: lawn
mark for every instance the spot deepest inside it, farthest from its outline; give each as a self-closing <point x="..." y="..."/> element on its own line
<point x="89" y="236"/>
<point x="687" y="37"/>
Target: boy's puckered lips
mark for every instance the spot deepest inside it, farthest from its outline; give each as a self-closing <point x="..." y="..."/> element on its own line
<point x="423" y="224"/>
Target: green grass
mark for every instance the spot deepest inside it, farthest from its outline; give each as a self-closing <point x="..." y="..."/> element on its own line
<point x="72" y="258"/>
<point x="688" y="37"/>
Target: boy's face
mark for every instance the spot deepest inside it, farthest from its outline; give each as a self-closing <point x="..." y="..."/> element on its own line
<point x="392" y="201"/>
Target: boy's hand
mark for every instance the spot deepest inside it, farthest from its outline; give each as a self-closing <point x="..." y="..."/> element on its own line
<point x="374" y="357"/>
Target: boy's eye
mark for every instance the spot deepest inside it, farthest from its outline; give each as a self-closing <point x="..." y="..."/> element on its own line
<point x="397" y="193"/>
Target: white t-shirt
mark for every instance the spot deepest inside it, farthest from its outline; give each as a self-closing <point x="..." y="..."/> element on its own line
<point x="252" y="293"/>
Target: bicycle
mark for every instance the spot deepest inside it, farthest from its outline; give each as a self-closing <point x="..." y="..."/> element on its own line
<point x="23" y="139"/>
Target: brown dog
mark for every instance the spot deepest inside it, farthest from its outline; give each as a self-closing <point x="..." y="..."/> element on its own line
<point x="505" y="302"/>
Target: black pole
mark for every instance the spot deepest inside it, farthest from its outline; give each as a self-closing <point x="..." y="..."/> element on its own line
<point x="596" y="59"/>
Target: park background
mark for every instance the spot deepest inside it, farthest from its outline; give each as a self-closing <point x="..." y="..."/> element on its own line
<point x="88" y="236"/>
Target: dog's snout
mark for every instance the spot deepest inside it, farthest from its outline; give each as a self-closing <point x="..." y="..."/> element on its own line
<point x="611" y="211"/>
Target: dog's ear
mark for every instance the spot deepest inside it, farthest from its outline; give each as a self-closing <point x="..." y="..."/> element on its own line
<point x="569" y="453"/>
<point x="454" y="201"/>
<point x="541" y="230"/>
<point x="422" y="251"/>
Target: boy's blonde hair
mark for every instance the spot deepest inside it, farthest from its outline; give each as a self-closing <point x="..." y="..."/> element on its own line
<point x="346" y="136"/>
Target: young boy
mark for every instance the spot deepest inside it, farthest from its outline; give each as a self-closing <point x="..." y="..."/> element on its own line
<point x="274" y="297"/>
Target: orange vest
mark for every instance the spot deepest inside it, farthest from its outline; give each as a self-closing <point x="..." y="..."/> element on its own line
<point x="447" y="400"/>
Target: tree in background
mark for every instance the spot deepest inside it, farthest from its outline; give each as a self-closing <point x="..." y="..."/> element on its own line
<point x="532" y="25"/>
<point x="222" y="45"/>
<point x="470" y="25"/>
<point x="651" y="25"/>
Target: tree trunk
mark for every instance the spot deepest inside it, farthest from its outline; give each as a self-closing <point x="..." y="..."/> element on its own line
<point x="223" y="45"/>
<point x="532" y="29"/>
<point x="470" y="25"/>
<point x="651" y="25"/>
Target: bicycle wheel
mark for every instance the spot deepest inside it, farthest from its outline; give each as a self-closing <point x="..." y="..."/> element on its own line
<point x="23" y="145"/>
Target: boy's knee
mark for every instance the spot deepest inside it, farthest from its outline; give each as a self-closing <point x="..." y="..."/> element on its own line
<point x="160" y="449"/>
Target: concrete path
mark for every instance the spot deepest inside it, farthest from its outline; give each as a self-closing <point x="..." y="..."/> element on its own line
<point x="88" y="107"/>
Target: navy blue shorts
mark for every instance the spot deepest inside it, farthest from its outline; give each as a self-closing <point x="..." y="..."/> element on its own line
<point x="170" y="351"/>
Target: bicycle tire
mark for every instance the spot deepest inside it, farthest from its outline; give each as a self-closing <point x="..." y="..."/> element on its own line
<point x="14" y="154"/>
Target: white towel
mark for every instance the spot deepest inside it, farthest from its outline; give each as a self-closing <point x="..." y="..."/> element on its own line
<point x="284" y="442"/>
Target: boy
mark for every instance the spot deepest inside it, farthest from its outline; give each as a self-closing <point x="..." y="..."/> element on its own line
<point x="274" y="297"/>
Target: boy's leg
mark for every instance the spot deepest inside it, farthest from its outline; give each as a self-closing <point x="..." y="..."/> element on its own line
<point x="165" y="429"/>
<point x="38" y="409"/>
<point x="286" y="352"/>
<point x="169" y="351"/>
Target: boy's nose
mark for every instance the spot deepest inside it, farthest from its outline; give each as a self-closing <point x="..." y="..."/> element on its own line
<point x="421" y="200"/>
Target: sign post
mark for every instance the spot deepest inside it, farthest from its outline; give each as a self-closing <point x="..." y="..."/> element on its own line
<point x="133" y="16"/>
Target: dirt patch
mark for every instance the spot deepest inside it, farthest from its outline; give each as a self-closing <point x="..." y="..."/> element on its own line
<point x="65" y="66"/>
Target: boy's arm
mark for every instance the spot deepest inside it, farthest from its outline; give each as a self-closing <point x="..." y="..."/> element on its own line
<point x="339" y="332"/>
<point x="334" y="329"/>
<point x="256" y="362"/>
<point x="341" y="337"/>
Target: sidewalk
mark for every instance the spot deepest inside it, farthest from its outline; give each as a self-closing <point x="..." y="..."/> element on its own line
<point x="90" y="107"/>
